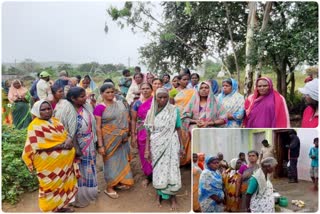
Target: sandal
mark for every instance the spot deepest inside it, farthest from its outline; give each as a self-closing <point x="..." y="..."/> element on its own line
<point x="65" y="210"/>
<point x="113" y="195"/>
<point x="122" y="187"/>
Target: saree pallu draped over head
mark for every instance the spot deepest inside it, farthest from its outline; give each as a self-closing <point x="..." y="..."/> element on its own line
<point x="210" y="183"/>
<point x="212" y="111"/>
<point x="164" y="147"/>
<point x="234" y="104"/>
<point x="115" y="138"/>
<point x="56" y="170"/>
<point x="268" y="111"/>
<point x="142" y="134"/>
<point x="181" y="100"/>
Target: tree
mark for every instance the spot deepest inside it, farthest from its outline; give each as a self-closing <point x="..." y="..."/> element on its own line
<point x="66" y="67"/>
<point x="29" y="66"/>
<point x="88" y="67"/>
<point x="290" y="38"/>
<point x="189" y="32"/>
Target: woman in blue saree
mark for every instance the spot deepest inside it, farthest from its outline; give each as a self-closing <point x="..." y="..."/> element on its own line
<point x="211" y="195"/>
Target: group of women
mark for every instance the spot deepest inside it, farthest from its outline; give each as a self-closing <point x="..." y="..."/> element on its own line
<point x="156" y="115"/>
<point x="240" y="188"/>
<point x="75" y="128"/>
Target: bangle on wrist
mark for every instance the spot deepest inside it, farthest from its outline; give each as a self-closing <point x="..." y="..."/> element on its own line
<point x="100" y="146"/>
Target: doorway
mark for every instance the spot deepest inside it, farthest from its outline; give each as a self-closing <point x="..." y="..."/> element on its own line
<point x="281" y="147"/>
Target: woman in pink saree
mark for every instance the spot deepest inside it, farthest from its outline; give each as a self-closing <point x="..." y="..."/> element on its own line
<point x="266" y="108"/>
<point x="139" y="112"/>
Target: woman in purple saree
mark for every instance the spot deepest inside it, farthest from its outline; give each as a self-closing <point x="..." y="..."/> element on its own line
<point x="139" y="112"/>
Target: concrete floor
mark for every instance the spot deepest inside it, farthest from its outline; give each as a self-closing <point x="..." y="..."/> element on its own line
<point x="297" y="191"/>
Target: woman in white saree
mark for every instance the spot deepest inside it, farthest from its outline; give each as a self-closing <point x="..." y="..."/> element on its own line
<point x="163" y="147"/>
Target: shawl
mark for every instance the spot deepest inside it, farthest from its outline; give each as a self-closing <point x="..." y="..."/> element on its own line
<point x="15" y="93"/>
<point x="259" y="107"/>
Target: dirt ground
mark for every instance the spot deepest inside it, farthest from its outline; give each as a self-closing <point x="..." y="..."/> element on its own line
<point x="297" y="191"/>
<point x="136" y="199"/>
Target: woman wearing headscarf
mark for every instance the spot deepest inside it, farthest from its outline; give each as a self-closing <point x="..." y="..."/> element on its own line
<point x="233" y="102"/>
<point x="310" y="118"/>
<point x="50" y="152"/>
<point x="112" y="118"/>
<point x="139" y="112"/>
<point x="214" y="87"/>
<point x="211" y="194"/>
<point x="204" y="110"/>
<point x="81" y="126"/>
<point x="266" y="108"/>
<point x="163" y="146"/>
<point x="134" y="87"/>
<point x="20" y="97"/>
<point x="232" y="184"/>
<point x="6" y="110"/>
<point x="259" y="195"/>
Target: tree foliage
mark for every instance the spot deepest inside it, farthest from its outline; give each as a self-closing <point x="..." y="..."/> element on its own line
<point x="190" y="31"/>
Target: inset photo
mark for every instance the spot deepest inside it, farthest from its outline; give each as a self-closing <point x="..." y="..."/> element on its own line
<point x="255" y="170"/>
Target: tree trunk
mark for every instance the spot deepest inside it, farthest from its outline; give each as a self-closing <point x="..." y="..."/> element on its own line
<point x="281" y="78"/>
<point x="266" y="16"/>
<point x="293" y="85"/>
<point x="252" y="21"/>
<point x="231" y="38"/>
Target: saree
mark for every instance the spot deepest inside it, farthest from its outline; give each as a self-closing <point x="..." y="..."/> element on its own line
<point x="196" y="172"/>
<point x="262" y="200"/>
<point x="231" y="180"/>
<point x="268" y="111"/>
<point x="210" y="183"/>
<point x="164" y="147"/>
<point x="234" y="104"/>
<point x="86" y="138"/>
<point x="115" y="134"/>
<point x="181" y="101"/>
<point x="247" y="173"/>
<point x="20" y="109"/>
<point x="212" y="111"/>
<point x="142" y="135"/>
<point x="55" y="170"/>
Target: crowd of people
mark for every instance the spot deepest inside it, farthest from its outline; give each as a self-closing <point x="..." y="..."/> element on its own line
<point x="153" y="114"/>
<point x="238" y="186"/>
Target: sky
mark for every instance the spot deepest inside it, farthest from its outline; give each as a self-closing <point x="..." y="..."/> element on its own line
<point x="71" y="32"/>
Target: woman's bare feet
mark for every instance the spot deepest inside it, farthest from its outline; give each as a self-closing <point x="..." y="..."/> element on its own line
<point x="159" y="200"/>
<point x="173" y="203"/>
<point x="145" y="183"/>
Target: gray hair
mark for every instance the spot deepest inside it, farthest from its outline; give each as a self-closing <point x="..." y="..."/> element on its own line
<point x="269" y="161"/>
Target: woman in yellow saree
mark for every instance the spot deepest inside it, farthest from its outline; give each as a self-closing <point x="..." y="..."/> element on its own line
<point x="181" y="100"/>
<point x="50" y="152"/>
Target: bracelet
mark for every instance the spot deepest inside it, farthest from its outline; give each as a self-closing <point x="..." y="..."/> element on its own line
<point x="100" y="146"/>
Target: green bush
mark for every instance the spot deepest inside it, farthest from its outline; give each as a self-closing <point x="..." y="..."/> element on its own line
<point x="16" y="178"/>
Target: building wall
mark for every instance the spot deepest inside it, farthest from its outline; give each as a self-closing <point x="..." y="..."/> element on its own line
<point x="306" y="137"/>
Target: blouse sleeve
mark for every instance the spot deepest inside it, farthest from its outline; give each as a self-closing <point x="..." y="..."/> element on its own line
<point x="178" y="121"/>
<point x="98" y="110"/>
<point x="136" y="105"/>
